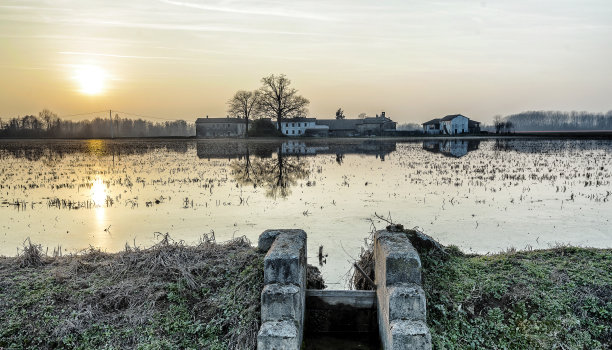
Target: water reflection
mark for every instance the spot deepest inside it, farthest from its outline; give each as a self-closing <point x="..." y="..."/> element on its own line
<point x="451" y="148"/>
<point x="279" y="166"/>
<point x="98" y="192"/>
<point x="238" y="149"/>
<point x="275" y="174"/>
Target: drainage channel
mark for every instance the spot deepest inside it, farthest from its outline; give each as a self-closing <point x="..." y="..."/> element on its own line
<point x="392" y="317"/>
<point x="341" y="319"/>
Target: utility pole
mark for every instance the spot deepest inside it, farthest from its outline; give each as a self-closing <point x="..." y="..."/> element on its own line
<point x="110" y="116"/>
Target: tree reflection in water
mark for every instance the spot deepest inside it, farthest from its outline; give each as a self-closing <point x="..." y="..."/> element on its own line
<point x="275" y="174"/>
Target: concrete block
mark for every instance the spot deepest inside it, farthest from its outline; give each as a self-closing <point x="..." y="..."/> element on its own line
<point x="281" y="302"/>
<point x="407" y="301"/>
<point x="401" y="261"/>
<point x="285" y="262"/>
<point x="401" y="303"/>
<point x="268" y="236"/>
<point x="409" y="335"/>
<point x="284" y="294"/>
<point x="282" y="335"/>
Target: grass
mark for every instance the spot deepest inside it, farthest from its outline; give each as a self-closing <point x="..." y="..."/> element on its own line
<point x="558" y="298"/>
<point x="168" y="296"/>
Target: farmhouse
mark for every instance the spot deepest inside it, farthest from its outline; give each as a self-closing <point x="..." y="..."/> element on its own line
<point x="220" y="127"/>
<point x="303" y="127"/>
<point x="451" y="125"/>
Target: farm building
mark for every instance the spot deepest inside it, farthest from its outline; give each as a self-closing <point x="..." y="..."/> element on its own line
<point x="220" y="127"/>
<point x="451" y="125"/>
<point x="372" y="126"/>
<point x="303" y="127"/>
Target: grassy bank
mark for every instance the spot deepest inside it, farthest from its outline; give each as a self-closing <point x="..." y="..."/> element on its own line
<point x="169" y="296"/>
<point x="558" y="298"/>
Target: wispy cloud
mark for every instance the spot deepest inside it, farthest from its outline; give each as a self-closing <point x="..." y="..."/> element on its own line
<point x="251" y="11"/>
<point x="119" y="56"/>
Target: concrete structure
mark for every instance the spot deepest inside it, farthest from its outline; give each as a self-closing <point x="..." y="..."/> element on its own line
<point x="303" y="127"/>
<point x="400" y="299"/>
<point x="397" y="309"/>
<point x="220" y="127"/>
<point x="450" y="125"/>
<point x="284" y="295"/>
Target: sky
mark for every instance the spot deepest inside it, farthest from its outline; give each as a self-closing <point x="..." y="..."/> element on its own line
<point x="415" y="60"/>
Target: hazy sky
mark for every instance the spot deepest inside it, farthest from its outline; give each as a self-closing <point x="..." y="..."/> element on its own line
<point x="413" y="59"/>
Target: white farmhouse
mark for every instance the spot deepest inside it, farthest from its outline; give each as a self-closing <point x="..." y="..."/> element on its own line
<point x="450" y="125"/>
<point x="302" y="126"/>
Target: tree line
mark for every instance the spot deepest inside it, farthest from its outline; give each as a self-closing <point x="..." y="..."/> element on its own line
<point x="553" y="121"/>
<point x="48" y="124"/>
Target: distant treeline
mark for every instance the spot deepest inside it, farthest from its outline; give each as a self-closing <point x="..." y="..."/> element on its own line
<point x="557" y="121"/>
<point x="47" y="124"/>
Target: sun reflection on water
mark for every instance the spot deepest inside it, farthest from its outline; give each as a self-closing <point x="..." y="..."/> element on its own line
<point x="98" y="192"/>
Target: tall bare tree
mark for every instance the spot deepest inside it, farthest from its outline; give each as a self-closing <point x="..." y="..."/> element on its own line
<point x="279" y="100"/>
<point x="244" y="104"/>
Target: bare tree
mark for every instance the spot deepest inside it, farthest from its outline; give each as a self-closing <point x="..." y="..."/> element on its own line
<point x="244" y="104"/>
<point x="498" y="123"/>
<point x="279" y="100"/>
<point x="47" y="117"/>
<point x="362" y="116"/>
<point x="340" y="114"/>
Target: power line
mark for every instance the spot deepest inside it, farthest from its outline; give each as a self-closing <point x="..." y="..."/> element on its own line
<point x="147" y="116"/>
<point x="80" y="114"/>
<point x="127" y="113"/>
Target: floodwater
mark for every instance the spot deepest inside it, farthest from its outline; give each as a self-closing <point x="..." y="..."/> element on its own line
<point x="482" y="195"/>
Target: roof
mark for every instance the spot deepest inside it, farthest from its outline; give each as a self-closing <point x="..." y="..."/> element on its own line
<point x="300" y="119"/>
<point x="452" y="116"/>
<point x="377" y="120"/>
<point x="219" y="120"/>
<point x="472" y="123"/>
<point x="340" y="124"/>
<point x="433" y="121"/>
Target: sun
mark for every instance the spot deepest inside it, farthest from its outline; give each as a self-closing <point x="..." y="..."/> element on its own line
<point x="91" y="79"/>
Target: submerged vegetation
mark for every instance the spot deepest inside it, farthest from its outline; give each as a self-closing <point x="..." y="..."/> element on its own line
<point x="167" y="296"/>
<point x="558" y="298"/>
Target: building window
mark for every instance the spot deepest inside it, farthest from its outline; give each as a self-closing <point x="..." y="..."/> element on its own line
<point x="293" y="132"/>
<point x="293" y="124"/>
<point x="299" y="124"/>
<point x="286" y="124"/>
<point x="286" y="132"/>
<point x="299" y="131"/>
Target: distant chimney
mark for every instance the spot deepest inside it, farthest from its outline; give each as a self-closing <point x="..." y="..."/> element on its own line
<point x="206" y="117"/>
<point x="383" y="114"/>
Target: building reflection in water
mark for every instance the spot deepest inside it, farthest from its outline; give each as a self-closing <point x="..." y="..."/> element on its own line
<point x="451" y="148"/>
<point x="277" y="166"/>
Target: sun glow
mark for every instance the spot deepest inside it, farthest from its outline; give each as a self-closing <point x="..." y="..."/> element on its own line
<point x="91" y="79"/>
<point x="98" y="192"/>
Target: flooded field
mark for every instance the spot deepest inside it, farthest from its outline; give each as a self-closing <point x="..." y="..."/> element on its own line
<point x="482" y="195"/>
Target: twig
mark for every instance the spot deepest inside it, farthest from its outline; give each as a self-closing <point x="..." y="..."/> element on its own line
<point x="365" y="275"/>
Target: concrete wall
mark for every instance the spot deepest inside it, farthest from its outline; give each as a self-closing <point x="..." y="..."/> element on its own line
<point x="284" y="295"/>
<point x="401" y="301"/>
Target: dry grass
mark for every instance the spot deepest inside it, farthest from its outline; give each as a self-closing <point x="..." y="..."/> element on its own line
<point x="166" y="296"/>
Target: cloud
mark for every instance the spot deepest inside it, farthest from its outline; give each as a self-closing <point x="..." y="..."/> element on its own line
<point x="251" y="11"/>
<point x="119" y="56"/>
